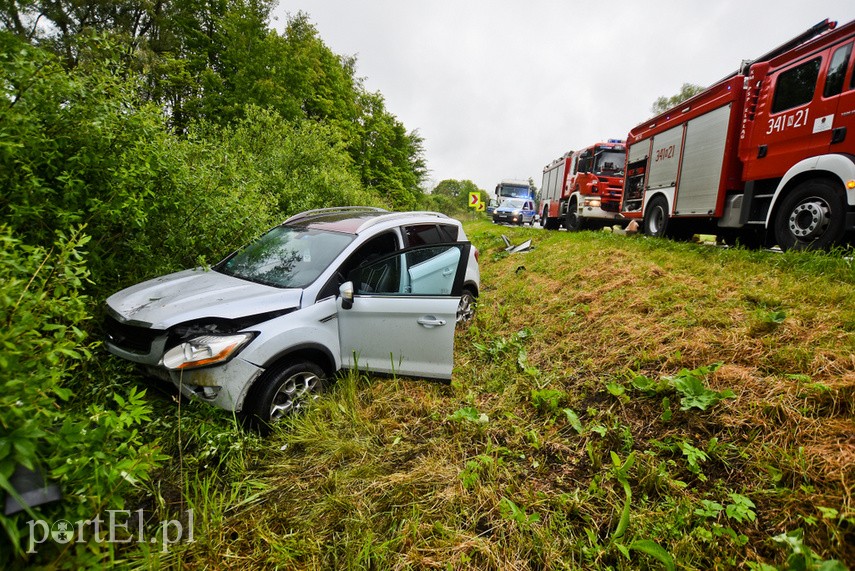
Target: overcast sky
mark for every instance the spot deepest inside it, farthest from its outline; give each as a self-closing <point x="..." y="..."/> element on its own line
<point x="500" y="88"/>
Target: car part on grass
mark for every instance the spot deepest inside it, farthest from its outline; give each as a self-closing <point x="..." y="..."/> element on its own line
<point x="32" y="491"/>
<point x="509" y="247"/>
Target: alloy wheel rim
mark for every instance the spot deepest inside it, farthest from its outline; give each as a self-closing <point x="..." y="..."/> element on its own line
<point x="294" y="394"/>
<point x="465" y="311"/>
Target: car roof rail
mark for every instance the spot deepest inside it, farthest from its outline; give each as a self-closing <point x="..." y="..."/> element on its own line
<point x="333" y="210"/>
<point x="407" y="214"/>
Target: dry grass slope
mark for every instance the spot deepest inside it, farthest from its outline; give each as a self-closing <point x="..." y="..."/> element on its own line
<point x="612" y="395"/>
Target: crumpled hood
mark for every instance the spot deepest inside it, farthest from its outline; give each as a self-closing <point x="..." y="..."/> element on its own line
<point x="184" y="296"/>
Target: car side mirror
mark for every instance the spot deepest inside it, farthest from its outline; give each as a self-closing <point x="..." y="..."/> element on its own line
<point x="346" y="292"/>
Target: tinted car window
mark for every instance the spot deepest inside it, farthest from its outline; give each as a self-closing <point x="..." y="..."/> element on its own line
<point x="378" y="277"/>
<point x="425" y="271"/>
<point x="426" y="234"/>
<point x="372" y="249"/>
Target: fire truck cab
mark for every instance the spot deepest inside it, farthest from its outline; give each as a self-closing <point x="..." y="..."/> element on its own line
<point x="583" y="189"/>
<point x="763" y="156"/>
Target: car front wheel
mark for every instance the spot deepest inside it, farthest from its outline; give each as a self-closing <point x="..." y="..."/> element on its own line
<point x="283" y="391"/>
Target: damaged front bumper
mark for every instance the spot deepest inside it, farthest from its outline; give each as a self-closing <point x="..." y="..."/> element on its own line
<point x="224" y="386"/>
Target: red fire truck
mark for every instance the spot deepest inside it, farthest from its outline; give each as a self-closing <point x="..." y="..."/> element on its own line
<point x="763" y="156"/>
<point x="583" y="188"/>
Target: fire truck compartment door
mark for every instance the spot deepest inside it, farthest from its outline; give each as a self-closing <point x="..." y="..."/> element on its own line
<point x="703" y="155"/>
<point x="639" y="151"/>
<point x="665" y="158"/>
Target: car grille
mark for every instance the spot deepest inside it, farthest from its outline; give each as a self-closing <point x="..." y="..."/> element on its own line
<point x="130" y="337"/>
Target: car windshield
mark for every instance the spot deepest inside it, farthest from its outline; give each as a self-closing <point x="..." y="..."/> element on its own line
<point x="516" y="203"/>
<point x="286" y="257"/>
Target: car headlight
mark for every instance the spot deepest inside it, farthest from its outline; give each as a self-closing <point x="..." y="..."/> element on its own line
<point x="205" y="350"/>
<point x="593" y="202"/>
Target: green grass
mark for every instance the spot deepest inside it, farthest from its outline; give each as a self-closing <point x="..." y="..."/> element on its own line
<point x="617" y="403"/>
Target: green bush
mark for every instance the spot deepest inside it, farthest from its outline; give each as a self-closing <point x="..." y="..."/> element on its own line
<point x="228" y="184"/>
<point x="93" y="451"/>
<point x="80" y="147"/>
<point x="77" y="147"/>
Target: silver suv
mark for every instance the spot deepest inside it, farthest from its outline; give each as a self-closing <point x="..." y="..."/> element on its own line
<point x="262" y="331"/>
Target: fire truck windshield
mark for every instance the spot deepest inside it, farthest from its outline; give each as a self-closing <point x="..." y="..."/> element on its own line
<point x="508" y="191"/>
<point x="610" y="163"/>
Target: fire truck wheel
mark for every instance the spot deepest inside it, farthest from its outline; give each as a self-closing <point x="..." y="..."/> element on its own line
<point x="811" y="217"/>
<point x="656" y="217"/>
<point x="573" y="222"/>
<point x="549" y="223"/>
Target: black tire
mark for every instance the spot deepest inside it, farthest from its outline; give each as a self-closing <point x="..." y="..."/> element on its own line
<point x="466" y="307"/>
<point x="282" y="391"/>
<point x="572" y="221"/>
<point x="811" y="217"/>
<point x="656" y="217"/>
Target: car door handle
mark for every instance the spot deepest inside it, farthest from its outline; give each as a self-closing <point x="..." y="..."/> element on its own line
<point x="430" y="321"/>
<point x="447" y="272"/>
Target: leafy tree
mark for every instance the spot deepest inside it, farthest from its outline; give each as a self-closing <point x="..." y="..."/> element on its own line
<point x="60" y="24"/>
<point x="322" y="82"/>
<point x="687" y="91"/>
<point x="457" y="188"/>
<point x="77" y="146"/>
<point x="452" y="196"/>
<point x="390" y="160"/>
<point x="211" y="61"/>
<point x="533" y="188"/>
